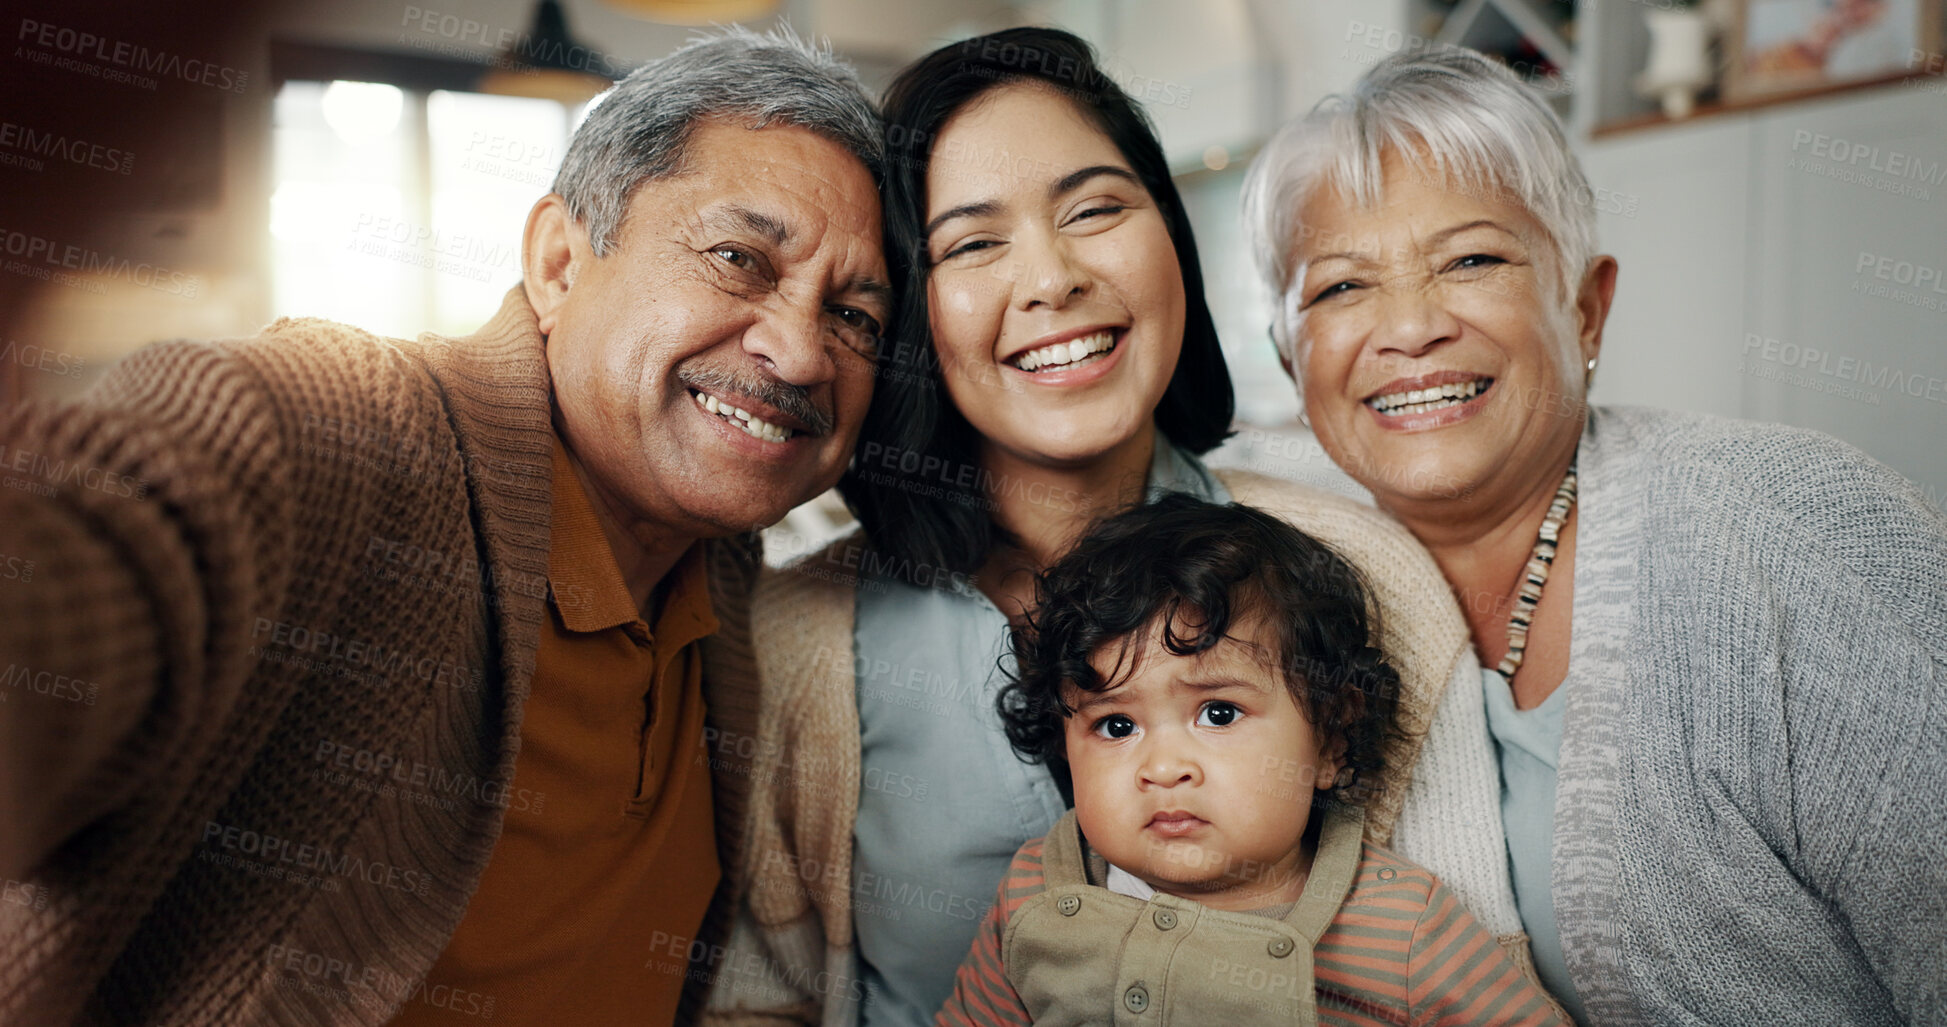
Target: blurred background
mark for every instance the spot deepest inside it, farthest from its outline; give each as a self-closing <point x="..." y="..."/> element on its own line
<point x="1771" y="174"/>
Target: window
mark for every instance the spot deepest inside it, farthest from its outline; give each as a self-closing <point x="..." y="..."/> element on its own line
<point x="402" y="211"/>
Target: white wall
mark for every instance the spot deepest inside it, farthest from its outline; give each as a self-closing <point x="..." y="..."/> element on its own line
<point x="1785" y="265"/>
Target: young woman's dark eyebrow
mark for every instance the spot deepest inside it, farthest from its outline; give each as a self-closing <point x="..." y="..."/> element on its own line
<point x="1065" y="184"/>
<point x="1074" y="179"/>
<point x="981" y="209"/>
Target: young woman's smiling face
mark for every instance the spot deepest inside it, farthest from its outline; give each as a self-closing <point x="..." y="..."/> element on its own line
<point x="1055" y="297"/>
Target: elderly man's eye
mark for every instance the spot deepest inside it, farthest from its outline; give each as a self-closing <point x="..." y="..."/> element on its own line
<point x="859" y="329"/>
<point x="735" y="257"/>
<point x="1475" y="260"/>
<point x="858" y="319"/>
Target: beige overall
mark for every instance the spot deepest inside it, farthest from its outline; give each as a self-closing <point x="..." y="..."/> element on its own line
<point x="1078" y="953"/>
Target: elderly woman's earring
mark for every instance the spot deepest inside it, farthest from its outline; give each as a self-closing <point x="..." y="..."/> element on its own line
<point x="1588" y="378"/>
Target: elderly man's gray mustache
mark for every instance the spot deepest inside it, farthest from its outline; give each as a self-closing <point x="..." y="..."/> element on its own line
<point x="790" y="400"/>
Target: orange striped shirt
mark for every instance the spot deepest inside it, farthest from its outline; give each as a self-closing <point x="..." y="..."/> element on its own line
<point x="1400" y="950"/>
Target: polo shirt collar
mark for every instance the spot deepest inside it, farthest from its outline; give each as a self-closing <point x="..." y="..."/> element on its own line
<point x="585" y="582"/>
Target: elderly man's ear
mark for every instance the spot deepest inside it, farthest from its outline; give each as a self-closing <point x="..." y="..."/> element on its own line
<point x="1592" y="304"/>
<point x="553" y="251"/>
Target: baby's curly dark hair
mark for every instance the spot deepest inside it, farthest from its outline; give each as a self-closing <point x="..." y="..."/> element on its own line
<point x="1197" y="569"/>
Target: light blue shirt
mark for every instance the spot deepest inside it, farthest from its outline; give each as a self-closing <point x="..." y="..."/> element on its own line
<point x="1527" y="742"/>
<point x="943" y="801"/>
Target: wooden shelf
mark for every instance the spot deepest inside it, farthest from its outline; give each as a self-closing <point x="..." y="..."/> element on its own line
<point x="1624" y="126"/>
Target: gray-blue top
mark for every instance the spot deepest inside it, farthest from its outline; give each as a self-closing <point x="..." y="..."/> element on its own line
<point x="1527" y="742"/>
<point x="943" y="800"/>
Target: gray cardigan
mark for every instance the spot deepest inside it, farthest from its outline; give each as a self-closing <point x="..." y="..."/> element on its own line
<point x="1751" y="816"/>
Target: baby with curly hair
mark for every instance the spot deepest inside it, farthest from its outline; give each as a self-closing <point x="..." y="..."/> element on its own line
<point x="1202" y="681"/>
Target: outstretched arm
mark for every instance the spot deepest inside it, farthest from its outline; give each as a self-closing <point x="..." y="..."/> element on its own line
<point x="143" y="524"/>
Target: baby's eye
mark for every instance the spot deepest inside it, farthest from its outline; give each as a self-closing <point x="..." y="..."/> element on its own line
<point x="1115" y="725"/>
<point x="1218" y="714"/>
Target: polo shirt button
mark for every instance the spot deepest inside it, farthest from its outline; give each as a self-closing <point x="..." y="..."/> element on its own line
<point x="1280" y="947"/>
<point x="1136" y="999"/>
<point x="1165" y="918"/>
<point x="1069" y="904"/>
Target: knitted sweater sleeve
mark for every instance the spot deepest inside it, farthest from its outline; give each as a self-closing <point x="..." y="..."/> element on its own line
<point x="142" y="529"/>
<point x="1799" y="629"/>
<point x="1856" y="583"/>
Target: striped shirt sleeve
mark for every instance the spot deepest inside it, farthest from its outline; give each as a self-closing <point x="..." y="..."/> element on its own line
<point x="1458" y="975"/>
<point x="982" y="996"/>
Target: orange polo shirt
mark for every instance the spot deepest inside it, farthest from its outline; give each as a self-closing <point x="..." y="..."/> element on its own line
<point x="584" y="901"/>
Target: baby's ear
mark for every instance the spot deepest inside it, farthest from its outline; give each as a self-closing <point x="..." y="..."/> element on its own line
<point x="1331" y="763"/>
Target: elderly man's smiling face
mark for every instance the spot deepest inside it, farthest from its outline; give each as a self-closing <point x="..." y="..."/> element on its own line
<point x="712" y="370"/>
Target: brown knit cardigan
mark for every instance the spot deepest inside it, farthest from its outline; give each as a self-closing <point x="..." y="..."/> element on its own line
<point x="247" y="559"/>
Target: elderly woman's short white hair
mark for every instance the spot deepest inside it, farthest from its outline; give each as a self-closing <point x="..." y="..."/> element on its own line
<point x="1480" y="126"/>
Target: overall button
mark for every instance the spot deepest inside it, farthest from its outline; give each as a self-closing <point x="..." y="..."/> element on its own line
<point x="1165" y="918"/>
<point x="1069" y="905"/>
<point x="1280" y="947"/>
<point x="1136" y="998"/>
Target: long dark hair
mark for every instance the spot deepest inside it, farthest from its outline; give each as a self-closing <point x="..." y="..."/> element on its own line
<point x="915" y="482"/>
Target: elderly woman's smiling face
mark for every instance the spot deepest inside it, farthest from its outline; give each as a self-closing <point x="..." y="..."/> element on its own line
<point x="1437" y="355"/>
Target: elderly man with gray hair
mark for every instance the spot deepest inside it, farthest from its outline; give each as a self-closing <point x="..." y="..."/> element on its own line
<point x="360" y="681"/>
<point x="1709" y="726"/>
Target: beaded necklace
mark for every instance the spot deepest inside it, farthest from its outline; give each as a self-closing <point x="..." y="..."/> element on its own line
<point x="1535" y="575"/>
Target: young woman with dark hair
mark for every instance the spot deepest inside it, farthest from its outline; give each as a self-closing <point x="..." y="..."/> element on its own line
<point x="1126" y="216"/>
<point x="1052" y="361"/>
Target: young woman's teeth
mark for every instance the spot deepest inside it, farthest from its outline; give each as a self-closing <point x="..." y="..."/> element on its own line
<point x="1423" y="401"/>
<point x="756" y="426"/>
<point x="1072" y="353"/>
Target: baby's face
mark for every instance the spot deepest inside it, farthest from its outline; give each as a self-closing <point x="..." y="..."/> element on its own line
<point x="1196" y="774"/>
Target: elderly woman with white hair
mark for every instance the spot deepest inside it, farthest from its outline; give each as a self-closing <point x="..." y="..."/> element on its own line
<point x="1714" y="653"/>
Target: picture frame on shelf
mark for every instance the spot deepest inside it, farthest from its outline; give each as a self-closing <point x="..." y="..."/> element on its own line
<point x="1778" y="47"/>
